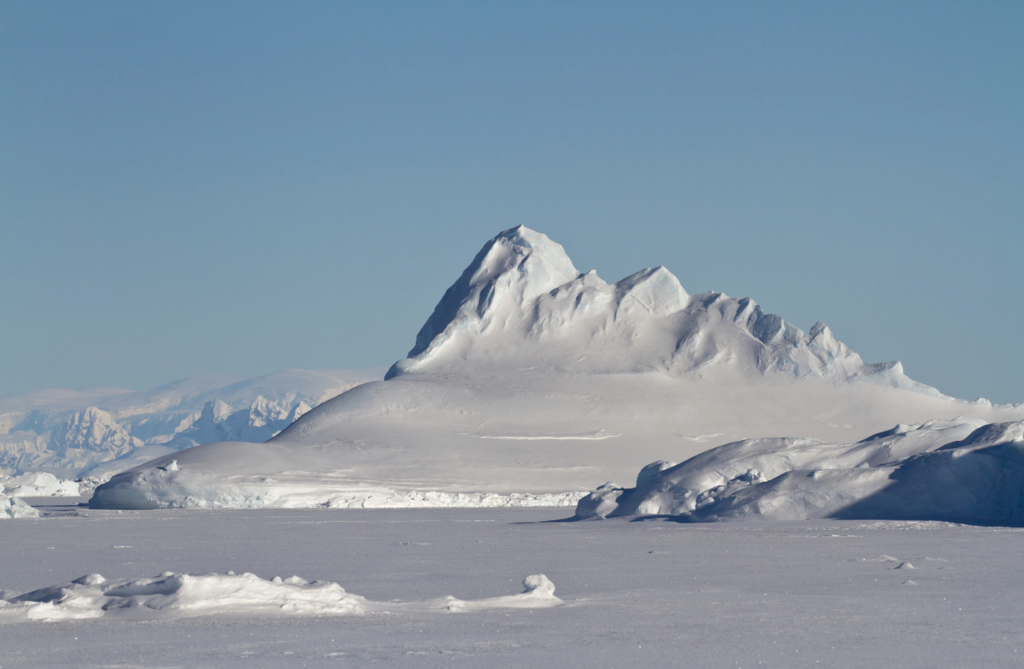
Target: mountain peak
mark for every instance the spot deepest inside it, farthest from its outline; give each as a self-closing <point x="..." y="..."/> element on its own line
<point x="538" y="263"/>
<point x="513" y="268"/>
<point x="522" y="304"/>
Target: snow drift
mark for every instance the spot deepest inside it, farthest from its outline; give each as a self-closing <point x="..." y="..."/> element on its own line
<point x="957" y="470"/>
<point x="535" y="380"/>
<point x="172" y="595"/>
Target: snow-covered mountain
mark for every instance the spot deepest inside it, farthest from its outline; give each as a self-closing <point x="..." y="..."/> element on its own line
<point x="521" y="301"/>
<point x="102" y="431"/>
<point x="531" y="382"/>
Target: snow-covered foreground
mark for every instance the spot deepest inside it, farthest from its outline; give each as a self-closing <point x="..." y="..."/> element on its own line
<point x="652" y="593"/>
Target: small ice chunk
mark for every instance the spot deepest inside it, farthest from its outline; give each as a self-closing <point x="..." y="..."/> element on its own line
<point x="538" y="583"/>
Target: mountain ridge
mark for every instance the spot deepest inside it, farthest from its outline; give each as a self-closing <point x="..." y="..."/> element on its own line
<point x="522" y="290"/>
<point x="77" y="433"/>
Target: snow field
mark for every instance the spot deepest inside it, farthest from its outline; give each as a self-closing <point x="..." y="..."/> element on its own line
<point x="650" y="593"/>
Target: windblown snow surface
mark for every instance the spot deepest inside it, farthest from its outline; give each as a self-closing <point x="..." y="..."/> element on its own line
<point x="815" y="593"/>
<point x="532" y="382"/>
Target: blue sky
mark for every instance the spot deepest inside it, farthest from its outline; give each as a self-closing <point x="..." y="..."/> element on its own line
<point x="236" y="188"/>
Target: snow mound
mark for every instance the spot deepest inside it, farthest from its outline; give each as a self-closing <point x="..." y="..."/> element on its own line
<point x="38" y="484"/>
<point x="172" y="595"/>
<point x="538" y="593"/>
<point x="12" y="507"/>
<point x="953" y="470"/>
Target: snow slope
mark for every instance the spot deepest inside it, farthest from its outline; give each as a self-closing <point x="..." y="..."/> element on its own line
<point x="100" y="432"/>
<point x="956" y="470"/>
<point x="532" y="378"/>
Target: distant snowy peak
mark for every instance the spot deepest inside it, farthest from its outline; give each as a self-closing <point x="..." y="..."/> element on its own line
<point x="521" y="303"/>
<point x="218" y="421"/>
<point x="92" y="429"/>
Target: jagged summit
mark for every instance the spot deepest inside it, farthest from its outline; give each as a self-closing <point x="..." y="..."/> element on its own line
<point x="522" y="303"/>
<point x="519" y="264"/>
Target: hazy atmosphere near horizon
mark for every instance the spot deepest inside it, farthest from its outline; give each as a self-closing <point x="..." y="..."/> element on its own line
<point x="240" y="188"/>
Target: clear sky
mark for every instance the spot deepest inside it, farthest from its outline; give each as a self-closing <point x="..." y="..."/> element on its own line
<point x="192" y="188"/>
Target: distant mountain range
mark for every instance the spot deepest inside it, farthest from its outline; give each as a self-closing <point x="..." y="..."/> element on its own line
<point x="96" y="432"/>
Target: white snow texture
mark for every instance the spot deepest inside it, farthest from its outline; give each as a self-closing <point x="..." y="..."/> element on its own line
<point x="172" y="595"/>
<point x="957" y="470"/>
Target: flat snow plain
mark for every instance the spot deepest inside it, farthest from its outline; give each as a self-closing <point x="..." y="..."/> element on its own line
<point x="647" y="593"/>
